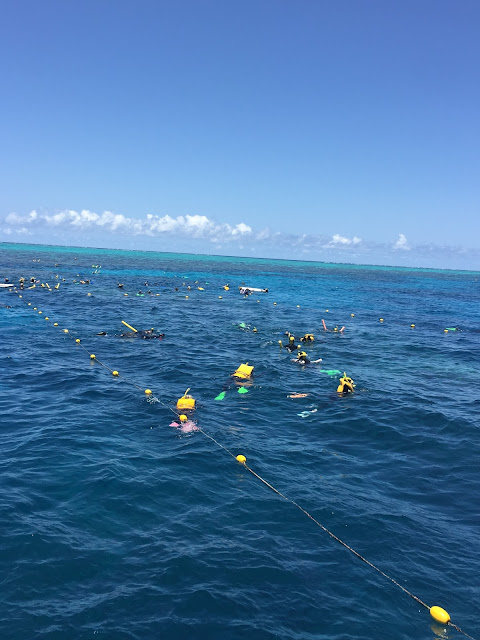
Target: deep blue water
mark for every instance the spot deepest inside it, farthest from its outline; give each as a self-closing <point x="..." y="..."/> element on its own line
<point x="116" y="525"/>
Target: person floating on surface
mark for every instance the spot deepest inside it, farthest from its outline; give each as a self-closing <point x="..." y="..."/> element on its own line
<point x="302" y="358"/>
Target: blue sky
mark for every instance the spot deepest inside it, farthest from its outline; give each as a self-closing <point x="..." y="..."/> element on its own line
<point x="342" y="131"/>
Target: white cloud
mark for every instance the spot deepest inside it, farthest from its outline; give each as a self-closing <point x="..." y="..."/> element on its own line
<point x="263" y="234"/>
<point x="196" y="226"/>
<point x="338" y="240"/>
<point x="241" y="229"/>
<point x="401" y="243"/>
<point x="84" y="227"/>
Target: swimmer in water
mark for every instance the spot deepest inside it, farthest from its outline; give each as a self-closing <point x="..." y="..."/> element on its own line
<point x="186" y="425"/>
<point x="346" y="385"/>
<point x="302" y="358"/>
<point x="291" y="346"/>
<point x="308" y="337"/>
<point x="148" y="334"/>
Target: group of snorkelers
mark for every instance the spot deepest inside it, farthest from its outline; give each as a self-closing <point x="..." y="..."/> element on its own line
<point x="291" y="346"/>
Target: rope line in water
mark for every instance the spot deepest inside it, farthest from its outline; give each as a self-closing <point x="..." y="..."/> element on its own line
<point x="242" y="460"/>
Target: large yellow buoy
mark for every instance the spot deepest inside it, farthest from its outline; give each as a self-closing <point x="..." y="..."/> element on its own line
<point x="241" y="459"/>
<point x="439" y="614"/>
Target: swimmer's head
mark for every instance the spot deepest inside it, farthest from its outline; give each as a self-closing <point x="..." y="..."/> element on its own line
<point x="183" y="418"/>
<point x="302" y="354"/>
<point x="292" y="338"/>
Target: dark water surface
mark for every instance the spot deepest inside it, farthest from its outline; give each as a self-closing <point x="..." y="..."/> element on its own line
<point x="116" y="525"/>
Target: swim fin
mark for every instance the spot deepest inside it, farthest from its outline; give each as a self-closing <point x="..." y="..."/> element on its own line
<point x="221" y="395"/>
<point x="242" y="390"/>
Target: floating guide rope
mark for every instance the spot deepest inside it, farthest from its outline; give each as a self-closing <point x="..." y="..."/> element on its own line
<point x="438" y="614"/>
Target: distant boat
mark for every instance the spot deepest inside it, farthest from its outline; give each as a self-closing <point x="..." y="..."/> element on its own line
<point x="243" y="290"/>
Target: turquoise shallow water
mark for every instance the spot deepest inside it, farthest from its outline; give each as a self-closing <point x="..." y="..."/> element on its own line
<point x="116" y="525"/>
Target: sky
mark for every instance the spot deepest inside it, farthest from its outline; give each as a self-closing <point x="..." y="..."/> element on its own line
<point x="338" y="131"/>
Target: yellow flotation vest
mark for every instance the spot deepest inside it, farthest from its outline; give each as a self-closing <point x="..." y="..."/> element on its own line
<point x="346" y="384"/>
<point x="244" y="371"/>
<point x="186" y="402"/>
<point x="308" y="337"/>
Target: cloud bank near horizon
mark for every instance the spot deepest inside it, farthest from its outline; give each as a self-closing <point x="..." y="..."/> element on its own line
<point x="72" y="227"/>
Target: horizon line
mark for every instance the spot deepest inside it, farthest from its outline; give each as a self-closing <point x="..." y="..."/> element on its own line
<point x="214" y="255"/>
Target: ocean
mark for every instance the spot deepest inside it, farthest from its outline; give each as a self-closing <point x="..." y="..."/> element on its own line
<point x="118" y="526"/>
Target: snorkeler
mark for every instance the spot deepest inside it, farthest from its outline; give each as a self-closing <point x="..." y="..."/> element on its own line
<point x="346" y="385"/>
<point x="302" y="358"/>
<point x="146" y="334"/>
<point x="186" y="425"/>
<point x="308" y="337"/>
<point x="291" y="346"/>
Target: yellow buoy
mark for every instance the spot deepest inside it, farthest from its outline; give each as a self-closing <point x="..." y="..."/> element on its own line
<point x="114" y="373"/>
<point x="47" y="318"/>
<point x="445" y="331"/>
<point x="298" y="306"/>
<point x="55" y="324"/>
<point x="34" y="308"/>
<point x="439" y="614"/>
<point x="275" y="303"/>
<point x="413" y="326"/>
<point x="40" y="312"/>
<point x="241" y="459"/>
<point x="148" y="392"/>
<point x="89" y="294"/>
<point x="92" y="356"/>
<point x="219" y="297"/>
<point x="20" y="296"/>
<point x="352" y="315"/>
<point x="381" y="319"/>
<point x="29" y="304"/>
<point x="77" y="340"/>
<point x="65" y="331"/>
<point x="186" y="296"/>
